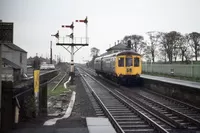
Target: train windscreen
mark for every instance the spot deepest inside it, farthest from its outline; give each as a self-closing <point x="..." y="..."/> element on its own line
<point x="129" y="61"/>
<point x="121" y="62"/>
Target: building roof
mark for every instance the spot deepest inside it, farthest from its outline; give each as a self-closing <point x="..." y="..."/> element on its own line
<point x="128" y="52"/>
<point x="15" y="47"/>
<point x="119" y="46"/>
<point x="10" y="63"/>
<point x="104" y="54"/>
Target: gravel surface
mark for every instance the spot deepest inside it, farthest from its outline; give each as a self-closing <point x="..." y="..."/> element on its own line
<point x="83" y="106"/>
<point x="75" y="123"/>
<point x="57" y="105"/>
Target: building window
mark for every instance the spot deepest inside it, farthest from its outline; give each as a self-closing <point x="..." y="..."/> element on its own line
<point x="121" y="62"/>
<point x="20" y="57"/>
<point x="136" y="62"/>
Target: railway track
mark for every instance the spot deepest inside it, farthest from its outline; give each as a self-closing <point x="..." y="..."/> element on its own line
<point x="124" y="116"/>
<point x="96" y="106"/>
<point x="171" y="114"/>
<point x="182" y="122"/>
<point x="54" y="83"/>
<point x="190" y="114"/>
<point x="195" y="114"/>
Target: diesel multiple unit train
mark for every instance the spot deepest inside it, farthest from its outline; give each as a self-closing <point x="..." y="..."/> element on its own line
<point x="122" y="67"/>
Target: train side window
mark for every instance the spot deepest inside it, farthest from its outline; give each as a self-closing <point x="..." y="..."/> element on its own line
<point x="121" y="62"/>
<point x="136" y="62"/>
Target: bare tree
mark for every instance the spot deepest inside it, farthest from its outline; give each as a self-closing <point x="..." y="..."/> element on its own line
<point x="183" y="46"/>
<point x="154" y="40"/>
<point x="169" y="43"/>
<point x="194" y="41"/>
<point x="147" y="53"/>
<point x="162" y="54"/>
<point x="136" y="42"/>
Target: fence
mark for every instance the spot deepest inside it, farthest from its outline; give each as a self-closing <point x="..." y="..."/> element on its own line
<point x="190" y="70"/>
<point x="18" y="101"/>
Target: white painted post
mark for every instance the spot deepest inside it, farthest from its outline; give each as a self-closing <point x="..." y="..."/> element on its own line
<point x="72" y="59"/>
<point x="86" y="33"/>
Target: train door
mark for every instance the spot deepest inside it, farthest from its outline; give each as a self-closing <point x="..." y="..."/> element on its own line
<point x="129" y="64"/>
<point x="120" y="65"/>
<point x="136" y="65"/>
<point x="113" y="64"/>
<point x="102" y="64"/>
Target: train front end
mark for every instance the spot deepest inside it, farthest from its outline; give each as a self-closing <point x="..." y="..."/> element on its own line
<point x="128" y="67"/>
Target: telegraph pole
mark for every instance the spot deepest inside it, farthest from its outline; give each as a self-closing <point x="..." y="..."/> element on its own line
<point x="0" y="82"/>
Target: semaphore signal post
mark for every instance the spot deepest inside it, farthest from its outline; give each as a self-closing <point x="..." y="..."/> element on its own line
<point x="74" y="43"/>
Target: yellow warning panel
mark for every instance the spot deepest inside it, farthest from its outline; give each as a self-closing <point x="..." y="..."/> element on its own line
<point x="36" y="80"/>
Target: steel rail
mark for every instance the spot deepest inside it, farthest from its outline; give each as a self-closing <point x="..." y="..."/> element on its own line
<point x="196" y="122"/>
<point x="172" y="99"/>
<point x="18" y="94"/>
<point x="151" y="122"/>
<point x="108" y="114"/>
<point x="59" y="82"/>
<point x="153" y="112"/>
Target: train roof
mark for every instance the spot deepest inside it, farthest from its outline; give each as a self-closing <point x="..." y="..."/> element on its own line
<point x="126" y="52"/>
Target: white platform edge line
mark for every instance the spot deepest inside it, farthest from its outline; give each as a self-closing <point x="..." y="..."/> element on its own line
<point x="164" y="79"/>
<point x="65" y="84"/>
<point x="67" y="113"/>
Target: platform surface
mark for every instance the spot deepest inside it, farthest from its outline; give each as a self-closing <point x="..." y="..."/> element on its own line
<point x="99" y="125"/>
<point x="173" y="81"/>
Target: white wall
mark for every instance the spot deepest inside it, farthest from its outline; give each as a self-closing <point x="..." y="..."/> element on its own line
<point x="7" y="74"/>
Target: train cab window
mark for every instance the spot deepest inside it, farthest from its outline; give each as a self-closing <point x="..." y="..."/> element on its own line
<point x="129" y="61"/>
<point x="136" y="62"/>
<point x="121" y="62"/>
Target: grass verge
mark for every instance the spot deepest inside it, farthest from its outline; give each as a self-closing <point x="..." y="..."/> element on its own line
<point x="59" y="90"/>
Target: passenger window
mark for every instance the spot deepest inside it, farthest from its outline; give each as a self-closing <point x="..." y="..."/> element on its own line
<point x="129" y="62"/>
<point x="121" y="62"/>
<point x="136" y="62"/>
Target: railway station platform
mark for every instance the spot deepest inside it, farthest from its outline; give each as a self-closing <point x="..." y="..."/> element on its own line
<point x="173" y="81"/>
<point x="90" y="125"/>
<point x="99" y="125"/>
<point x="183" y="90"/>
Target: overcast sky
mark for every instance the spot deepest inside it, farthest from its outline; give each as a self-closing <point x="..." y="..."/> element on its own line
<point x="108" y="21"/>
